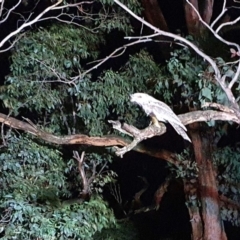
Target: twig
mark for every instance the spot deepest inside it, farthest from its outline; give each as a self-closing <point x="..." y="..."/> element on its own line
<point x="27" y="24"/>
<point x="9" y="11"/>
<point x="112" y="55"/>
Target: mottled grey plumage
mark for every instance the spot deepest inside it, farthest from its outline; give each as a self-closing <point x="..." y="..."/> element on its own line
<point x="161" y="111"/>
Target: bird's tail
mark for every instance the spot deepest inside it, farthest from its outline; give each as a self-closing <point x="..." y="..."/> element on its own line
<point x="181" y="131"/>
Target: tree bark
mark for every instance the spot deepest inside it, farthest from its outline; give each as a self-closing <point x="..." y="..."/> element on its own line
<point x="194" y="211"/>
<point x="192" y="19"/>
<point x="81" y="139"/>
<point x="206" y="11"/>
<point x="153" y="14"/>
<point x="208" y="189"/>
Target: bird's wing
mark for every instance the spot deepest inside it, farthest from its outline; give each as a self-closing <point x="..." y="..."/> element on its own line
<point x="165" y="114"/>
<point x="180" y="131"/>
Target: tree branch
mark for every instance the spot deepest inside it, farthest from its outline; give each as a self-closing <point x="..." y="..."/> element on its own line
<point x="26" y="24"/>
<point x="108" y="141"/>
<point x="104" y="141"/>
<point x="218" y="76"/>
<point x="38" y="18"/>
<point x="174" y="36"/>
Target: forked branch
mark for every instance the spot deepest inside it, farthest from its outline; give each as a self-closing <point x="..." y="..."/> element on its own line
<point x="108" y="141"/>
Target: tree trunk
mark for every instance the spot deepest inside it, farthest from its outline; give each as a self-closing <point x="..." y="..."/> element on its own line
<point x="208" y="190"/>
<point x="194" y="211"/>
<point x="206" y="11"/>
<point x="153" y="14"/>
<point x="192" y="19"/>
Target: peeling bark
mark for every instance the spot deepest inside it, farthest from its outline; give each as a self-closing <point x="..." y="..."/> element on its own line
<point x="194" y="211"/>
<point x="208" y="189"/>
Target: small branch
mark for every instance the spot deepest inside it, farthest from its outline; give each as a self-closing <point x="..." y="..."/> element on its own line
<point x="227" y="24"/>
<point x="74" y="4"/>
<point x="137" y="197"/>
<point x="220" y="15"/>
<point x="236" y="76"/>
<point x="9" y="11"/>
<point x="226" y="89"/>
<point x="27" y="24"/>
<point x="138" y="135"/>
<point x="94" y="173"/>
<point x="85" y="185"/>
<point x="114" y="54"/>
<point x="6" y="216"/>
<point x="162" y="189"/>
<point x="230" y="202"/>
<point x="1" y="7"/>
<point x="215" y="33"/>
<point x="116" y="192"/>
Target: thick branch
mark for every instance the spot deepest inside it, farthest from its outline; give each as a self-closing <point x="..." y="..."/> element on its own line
<point x="149" y="132"/>
<point x="104" y="141"/>
<point x="107" y="141"/>
<point x="207" y="115"/>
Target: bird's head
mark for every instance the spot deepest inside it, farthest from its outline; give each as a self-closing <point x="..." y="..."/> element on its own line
<point x="141" y="98"/>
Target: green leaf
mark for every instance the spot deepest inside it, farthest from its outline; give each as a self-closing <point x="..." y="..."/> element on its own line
<point x="206" y="92"/>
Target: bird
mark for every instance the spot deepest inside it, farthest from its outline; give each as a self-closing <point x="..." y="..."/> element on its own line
<point x="159" y="112"/>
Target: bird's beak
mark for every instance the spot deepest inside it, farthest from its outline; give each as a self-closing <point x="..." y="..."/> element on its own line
<point x="131" y="98"/>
